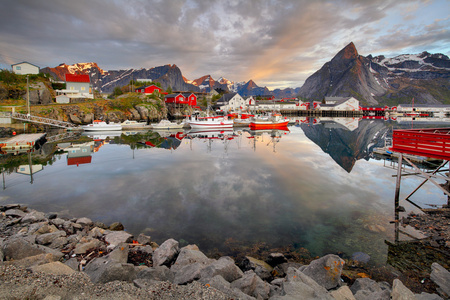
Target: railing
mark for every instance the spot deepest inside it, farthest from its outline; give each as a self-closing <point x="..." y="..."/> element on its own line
<point x="41" y="120"/>
<point x="433" y="143"/>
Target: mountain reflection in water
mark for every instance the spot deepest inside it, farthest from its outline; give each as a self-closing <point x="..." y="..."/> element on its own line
<point x="224" y="190"/>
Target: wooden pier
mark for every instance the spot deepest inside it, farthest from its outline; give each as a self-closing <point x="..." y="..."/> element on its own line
<point x="21" y="142"/>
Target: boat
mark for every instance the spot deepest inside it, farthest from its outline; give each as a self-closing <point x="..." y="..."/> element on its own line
<point x="269" y="122"/>
<point x="166" y="124"/>
<point x="210" y="122"/>
<point x="98" y="125"/>
<point x="129" y="124"/>
<point x="243" y="120"/>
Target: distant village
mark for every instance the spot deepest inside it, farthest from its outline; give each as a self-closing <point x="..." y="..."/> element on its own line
<point x="79" y="87"/>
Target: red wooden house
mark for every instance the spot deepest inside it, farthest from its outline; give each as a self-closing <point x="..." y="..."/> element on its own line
<point x="182" y="98"/>
<point x="149" y="89"/>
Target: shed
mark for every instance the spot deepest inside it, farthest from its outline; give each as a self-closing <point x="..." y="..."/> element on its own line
<point x="25" y="68"/>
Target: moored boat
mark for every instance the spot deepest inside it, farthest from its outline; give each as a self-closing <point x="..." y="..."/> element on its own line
<point x="98" y="125"/>
<point x="166" y="124"/>
<point x="210" y="122"/>
<point x="273" y="121"/>
<point x="129" y="124"/>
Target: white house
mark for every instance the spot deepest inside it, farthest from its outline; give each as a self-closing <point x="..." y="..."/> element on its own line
<point x="340" y="104"/>
<point x="231" y="102"/>
<point x="25" y="68"/>
<point x="77" y="86"/>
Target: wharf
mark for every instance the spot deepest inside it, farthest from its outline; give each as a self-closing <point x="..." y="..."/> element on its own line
<point x="385" y="151"/>
<point x="21" y="142"/>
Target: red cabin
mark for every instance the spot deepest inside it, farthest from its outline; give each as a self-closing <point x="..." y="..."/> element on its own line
<point x="149" y="89"/>
<point x="182" y="98"/>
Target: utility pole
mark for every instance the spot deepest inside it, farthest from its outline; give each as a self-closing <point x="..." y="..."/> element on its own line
<point x="28" y="95"/>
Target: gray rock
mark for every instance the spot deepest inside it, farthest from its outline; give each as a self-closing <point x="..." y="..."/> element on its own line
<point x="116" y="226"/>
<point x="160" y="273"/>
<point x="187" y="257"/>
<point x="281" y="269"/>
<point x="188" y="273"/>
<point x="120" y="253"/>
<point x="97" y="232"/>
<point x="42" y="228"/>
<point x="343" y="293"/>
<point x="219" y="283"/>
<point x="82" y="248"/>
<point x="224" y="267"/>
<point x="441" y="277"/>
<point x="102" y="270"/>
<point x="261" y="268"/>
<point x="114" y="238"/>
<point x="19" y="248"/>
<point x="144" y="239"/>
<point x="275" y="259"/>
<point x="14" y="213"/>
<point x="326" y="270"/>
<point x="252" y="285"/>
<point x="426" y="296"/>
<point x="401" y="292"/>
<point x="84" y="221"/>
<point x="72" y="263"/>
<point x="366" y="288"/>
<point x="55" y="268"/>
<point x="2" y="256"/>
<point x="298" y="284"/>
<point x="144" y="249"/>
<point x="33" y="217"/>
<point x="166" y="253"/>
<point x="47" y="238"/>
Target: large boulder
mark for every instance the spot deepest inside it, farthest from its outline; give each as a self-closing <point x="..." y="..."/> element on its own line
<point x="219" y="283"/>
<point x="47" y="238"/>
<point x="261" y="268"/>
<point x="111" y="267"/>
<point x="401" y="292"/>
<point x="441" y="277"/>
<point x="187" y="257"/>
<point x="18" y="248"/>
<point x="326" y="271"/>
<point x="55" y="268"/>
<point x="252" y="285"/>
<point x="33" y="217"/>
<point x="114" y="238"/>
<point x="160" y="273"/>
<point x="224" y="267"/>
<point x="166" y="253"/>
<point x="300" y="286"/>
<point x="366" y="288"/>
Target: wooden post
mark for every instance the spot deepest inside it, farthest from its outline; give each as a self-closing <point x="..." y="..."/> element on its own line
<point x="397" y="197"/>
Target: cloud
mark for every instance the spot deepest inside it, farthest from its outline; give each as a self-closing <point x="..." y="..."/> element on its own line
<point x="273" y="42"/>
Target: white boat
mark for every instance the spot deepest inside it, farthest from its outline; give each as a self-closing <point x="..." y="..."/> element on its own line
<point x="210" y="122"/>
<point x="271" y="122"/>
<point x="98" y="125"/>
<point x="166" y="124"/>
<point x="127" y="124"/>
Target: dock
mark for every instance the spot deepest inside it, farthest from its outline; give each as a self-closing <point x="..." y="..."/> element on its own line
<point x="21" y="142"/>
<point x="387" y="152"/>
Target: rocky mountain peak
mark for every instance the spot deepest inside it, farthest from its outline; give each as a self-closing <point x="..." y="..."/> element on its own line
<point x="349" y="52"/>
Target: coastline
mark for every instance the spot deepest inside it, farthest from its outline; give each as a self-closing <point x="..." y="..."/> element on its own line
<point x="42" y="255"/>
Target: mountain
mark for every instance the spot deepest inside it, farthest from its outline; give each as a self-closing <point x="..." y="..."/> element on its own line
<point x="378" y="80"/>
<point x="346" y="147"/>
<point x="106" y="81"/>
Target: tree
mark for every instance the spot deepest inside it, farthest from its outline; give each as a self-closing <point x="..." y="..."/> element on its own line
<point x="169" y="90"/>
<point x="117" y="91"/>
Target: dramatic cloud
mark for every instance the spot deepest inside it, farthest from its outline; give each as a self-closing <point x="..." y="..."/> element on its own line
<point x="276" y="43"/>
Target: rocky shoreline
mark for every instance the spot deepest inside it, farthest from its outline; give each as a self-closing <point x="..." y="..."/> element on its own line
<point x="43" y="256"/>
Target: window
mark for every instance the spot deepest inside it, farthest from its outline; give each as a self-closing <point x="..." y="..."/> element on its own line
<point x="18" y="68"/>
<point x="83" y="88"/>
<point x="72" y="88"/>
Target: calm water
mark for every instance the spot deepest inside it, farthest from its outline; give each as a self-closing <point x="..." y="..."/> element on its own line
<point x="315" y="186"/>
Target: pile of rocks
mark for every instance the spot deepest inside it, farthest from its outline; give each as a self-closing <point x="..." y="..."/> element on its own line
<point x="38" y="245"/>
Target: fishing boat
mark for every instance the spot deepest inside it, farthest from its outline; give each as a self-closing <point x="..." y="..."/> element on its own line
<point x="269" y="122"/>
<point x="243" y="120"/>
<point x="129" y="124"/>
<point x="98" y="125"/>
<point x="166" y="124"/>
<point x="210" y="122"/>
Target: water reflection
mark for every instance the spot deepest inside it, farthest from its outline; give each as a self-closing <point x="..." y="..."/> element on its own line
<point x="224" y="190"/>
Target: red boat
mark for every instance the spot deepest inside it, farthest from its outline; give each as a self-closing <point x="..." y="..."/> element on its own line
<point x="270" y="122"/>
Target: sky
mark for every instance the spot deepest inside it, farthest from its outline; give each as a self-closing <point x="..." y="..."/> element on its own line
<point x="276" y="43"/>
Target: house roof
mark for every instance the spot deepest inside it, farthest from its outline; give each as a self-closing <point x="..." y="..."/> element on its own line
<point x="146" y="86"/>
<point x="24" y="62"/>
<point x="226" y="98"/>
<point x="77" y="78"/>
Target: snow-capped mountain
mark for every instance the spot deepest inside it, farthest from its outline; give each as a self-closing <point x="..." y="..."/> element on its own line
<point x="380" y="80"/>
